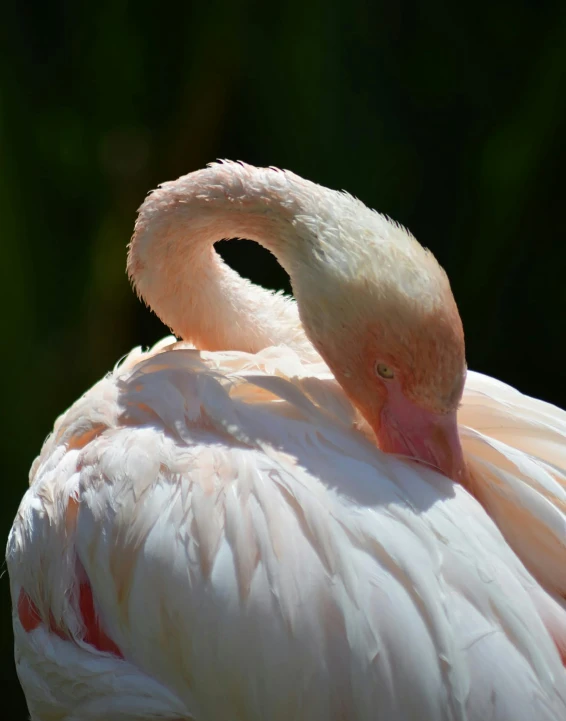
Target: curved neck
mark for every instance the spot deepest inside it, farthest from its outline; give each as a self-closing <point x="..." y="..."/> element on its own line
<point x="175" y="269"/>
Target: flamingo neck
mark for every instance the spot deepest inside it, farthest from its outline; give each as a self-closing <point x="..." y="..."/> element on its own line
<point x="175" y="269"/>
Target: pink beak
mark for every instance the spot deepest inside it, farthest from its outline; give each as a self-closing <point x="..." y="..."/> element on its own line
<point x="432" y="438"/>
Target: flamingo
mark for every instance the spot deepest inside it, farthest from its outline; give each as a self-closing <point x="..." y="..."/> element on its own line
<point x="302" y="509"/>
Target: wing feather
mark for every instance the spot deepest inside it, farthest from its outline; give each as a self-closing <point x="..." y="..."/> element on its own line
<point x="516" y="449"/>
<point x="254" y="556"/>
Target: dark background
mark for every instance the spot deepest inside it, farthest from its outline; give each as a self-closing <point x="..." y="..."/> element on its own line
<point x="448" y="118"/>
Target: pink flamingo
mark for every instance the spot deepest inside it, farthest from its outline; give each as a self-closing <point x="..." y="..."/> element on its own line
<point x="280" y="517"/>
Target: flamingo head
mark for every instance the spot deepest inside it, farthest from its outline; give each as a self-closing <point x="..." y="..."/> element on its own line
<point x="383" y="316"/>
<point x="417" y="373"/>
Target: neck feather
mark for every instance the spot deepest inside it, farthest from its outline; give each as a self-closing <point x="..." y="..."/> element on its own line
<point x="175" y="269"/>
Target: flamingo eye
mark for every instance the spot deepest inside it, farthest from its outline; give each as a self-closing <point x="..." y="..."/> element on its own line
<point x="384" y="371"/>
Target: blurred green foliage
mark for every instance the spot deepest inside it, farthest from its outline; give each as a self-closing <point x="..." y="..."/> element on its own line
<point x="447" y="117"/>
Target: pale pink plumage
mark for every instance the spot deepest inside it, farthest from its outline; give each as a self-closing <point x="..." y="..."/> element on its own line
<point x="254" y="556"/>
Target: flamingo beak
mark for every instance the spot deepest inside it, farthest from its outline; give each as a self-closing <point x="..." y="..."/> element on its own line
<point x="431" y="438"/>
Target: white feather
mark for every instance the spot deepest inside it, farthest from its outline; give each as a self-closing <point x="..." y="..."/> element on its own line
<point x="255" y="556"/>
